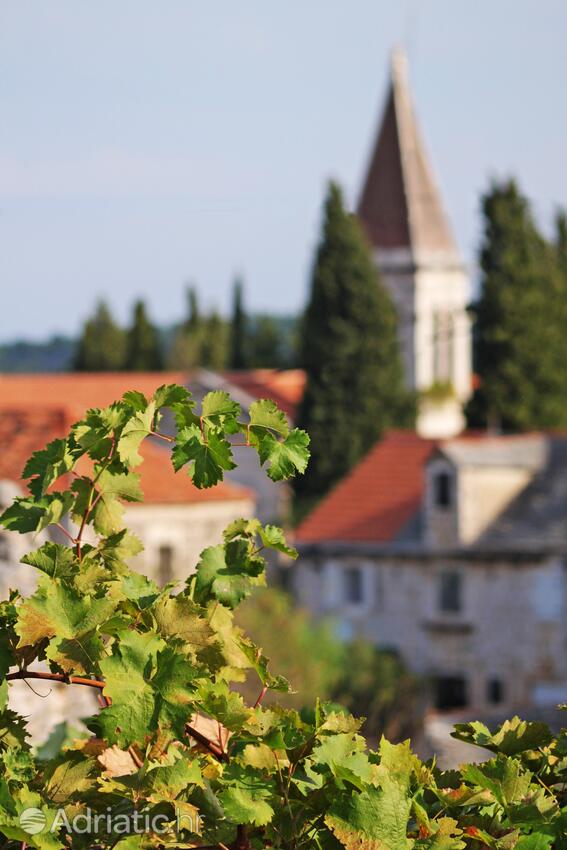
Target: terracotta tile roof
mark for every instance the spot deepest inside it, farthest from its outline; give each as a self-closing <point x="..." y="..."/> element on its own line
<point x="22" y="433"/>
<point x="377" y="498"/>
<point x="284" y="386"/>
<point x="24" y="429"/>
<point x="80" y="390"/>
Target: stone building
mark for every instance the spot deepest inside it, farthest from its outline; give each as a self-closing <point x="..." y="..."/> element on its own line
<point x="452" y="553"/>
<point x="401" y="210"/>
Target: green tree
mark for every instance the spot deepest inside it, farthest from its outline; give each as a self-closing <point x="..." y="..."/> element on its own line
<point x="266" y="343"/>
<point x="238" y="329"/>
<point x="102" y="344"/>
<point x="520" y="321"/>
<point x="375" y="684"/>
<point x="310" y="656"/>
<point x="187" y="337"/>
<point x="214" y="343"/>
<point x="561" y="243"/>
<point x="143" y="348"/>
<point x="355" y="388"/>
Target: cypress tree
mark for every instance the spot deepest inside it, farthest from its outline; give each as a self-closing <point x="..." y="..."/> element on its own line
<point x="102" y="344"/>
<point x="561" y="244"/>
<point x="266" y="344"/>
<point x="187" y="338"/>
<point x="214" y="348"/>
<point x="193" y="321"/>
<point x="355" y="388"/>
<point x="238" y="329"/>
<point x="520" y="325"/>
<point x="143" y="350"/>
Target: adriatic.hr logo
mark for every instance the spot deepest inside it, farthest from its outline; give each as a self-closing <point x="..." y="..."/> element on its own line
<point x="34" y="821"/>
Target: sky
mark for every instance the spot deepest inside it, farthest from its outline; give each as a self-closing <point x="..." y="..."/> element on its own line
<point x="145" y="145"/>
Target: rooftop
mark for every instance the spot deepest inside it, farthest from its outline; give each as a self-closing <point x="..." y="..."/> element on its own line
<point x="24" y="430"/>
<point x="400" y="205"/>
<point x="378" y="498"/>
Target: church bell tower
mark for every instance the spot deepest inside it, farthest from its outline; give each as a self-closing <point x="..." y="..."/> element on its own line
<point x="401" y="211"/>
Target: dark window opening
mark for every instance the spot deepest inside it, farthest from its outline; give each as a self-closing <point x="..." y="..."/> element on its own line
<point x="495" y="691"/>
<point x="165" y="565"/>
<point x="4" y="548"/>
<point x="353" y="585"/>
<point x="442" y="483"/>
<point x="450" y="692"/>
<point x="450" y="592"/>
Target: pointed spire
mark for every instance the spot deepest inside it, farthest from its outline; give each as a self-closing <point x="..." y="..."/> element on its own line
<point x="400" y="206"/>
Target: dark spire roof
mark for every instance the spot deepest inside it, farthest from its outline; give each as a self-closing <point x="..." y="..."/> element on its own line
<point x="400" y="205"/>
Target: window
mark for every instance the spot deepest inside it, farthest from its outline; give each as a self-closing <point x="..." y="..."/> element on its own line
<point x="450" y="692"/>
<point x="443" y="347"/>
<point x="353" y="585"/>
<point x="4" y="548"/>
<point x="495" y="691"/>
<point x="450" y="591"/>
<point x="165" y="565"/>
<point x="442" y="486"/>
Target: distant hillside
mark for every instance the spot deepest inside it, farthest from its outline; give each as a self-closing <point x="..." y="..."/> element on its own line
<point x="55" y="355"/>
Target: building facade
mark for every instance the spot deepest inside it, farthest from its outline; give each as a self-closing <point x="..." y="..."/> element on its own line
<point x="452" y="553"/>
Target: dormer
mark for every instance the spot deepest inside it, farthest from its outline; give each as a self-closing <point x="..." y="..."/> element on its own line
<point x="470" y="481"/>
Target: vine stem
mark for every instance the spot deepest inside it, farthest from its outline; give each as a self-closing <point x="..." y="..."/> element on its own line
<point x="55" y="677"/>
<point x="162" y="436"/>
<point x="90" y="505"/>
<point x="65" y="532"/>
<point x="261" y="696"/>
<point x="213" y="748"/>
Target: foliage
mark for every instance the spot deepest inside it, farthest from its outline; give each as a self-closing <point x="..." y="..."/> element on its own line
<point x="375" y="684"/>
<point x="439" y="392"/>
<point x="238" y="329"/>
<point x="172" y="737"/>
<point x="102" y="345"/>
<point x="214" y="343"/>
<point x="367" y="681"/>
<point x="521" y="320"/>
<point x="266" y="343"/>
<point x="350" y="351"/>
<point x="200" y="340"/>
<point x="310" y="656"/>
<point x="143" y="349"/>
<point x="187" y="337"/>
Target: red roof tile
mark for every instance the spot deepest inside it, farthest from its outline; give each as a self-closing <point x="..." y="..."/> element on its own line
<point x="80" y="389"/>
<point x="377" y="498"/>
<point x="24" y="430"/>
<point x="284" y="386"/>
<point x="22" y="433"/>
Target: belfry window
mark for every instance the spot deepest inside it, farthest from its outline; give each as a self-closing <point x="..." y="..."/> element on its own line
<point x="443" y="348"/>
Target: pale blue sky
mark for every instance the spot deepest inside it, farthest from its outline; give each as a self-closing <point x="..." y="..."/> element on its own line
<point x="148" y="143"/>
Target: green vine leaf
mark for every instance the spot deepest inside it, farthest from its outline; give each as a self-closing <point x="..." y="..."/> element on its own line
<point x="208" y="458"/>
<point x="136" y="429"/>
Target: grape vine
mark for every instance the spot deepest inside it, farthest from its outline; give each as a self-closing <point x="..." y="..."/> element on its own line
<point x="173" y="757"/>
